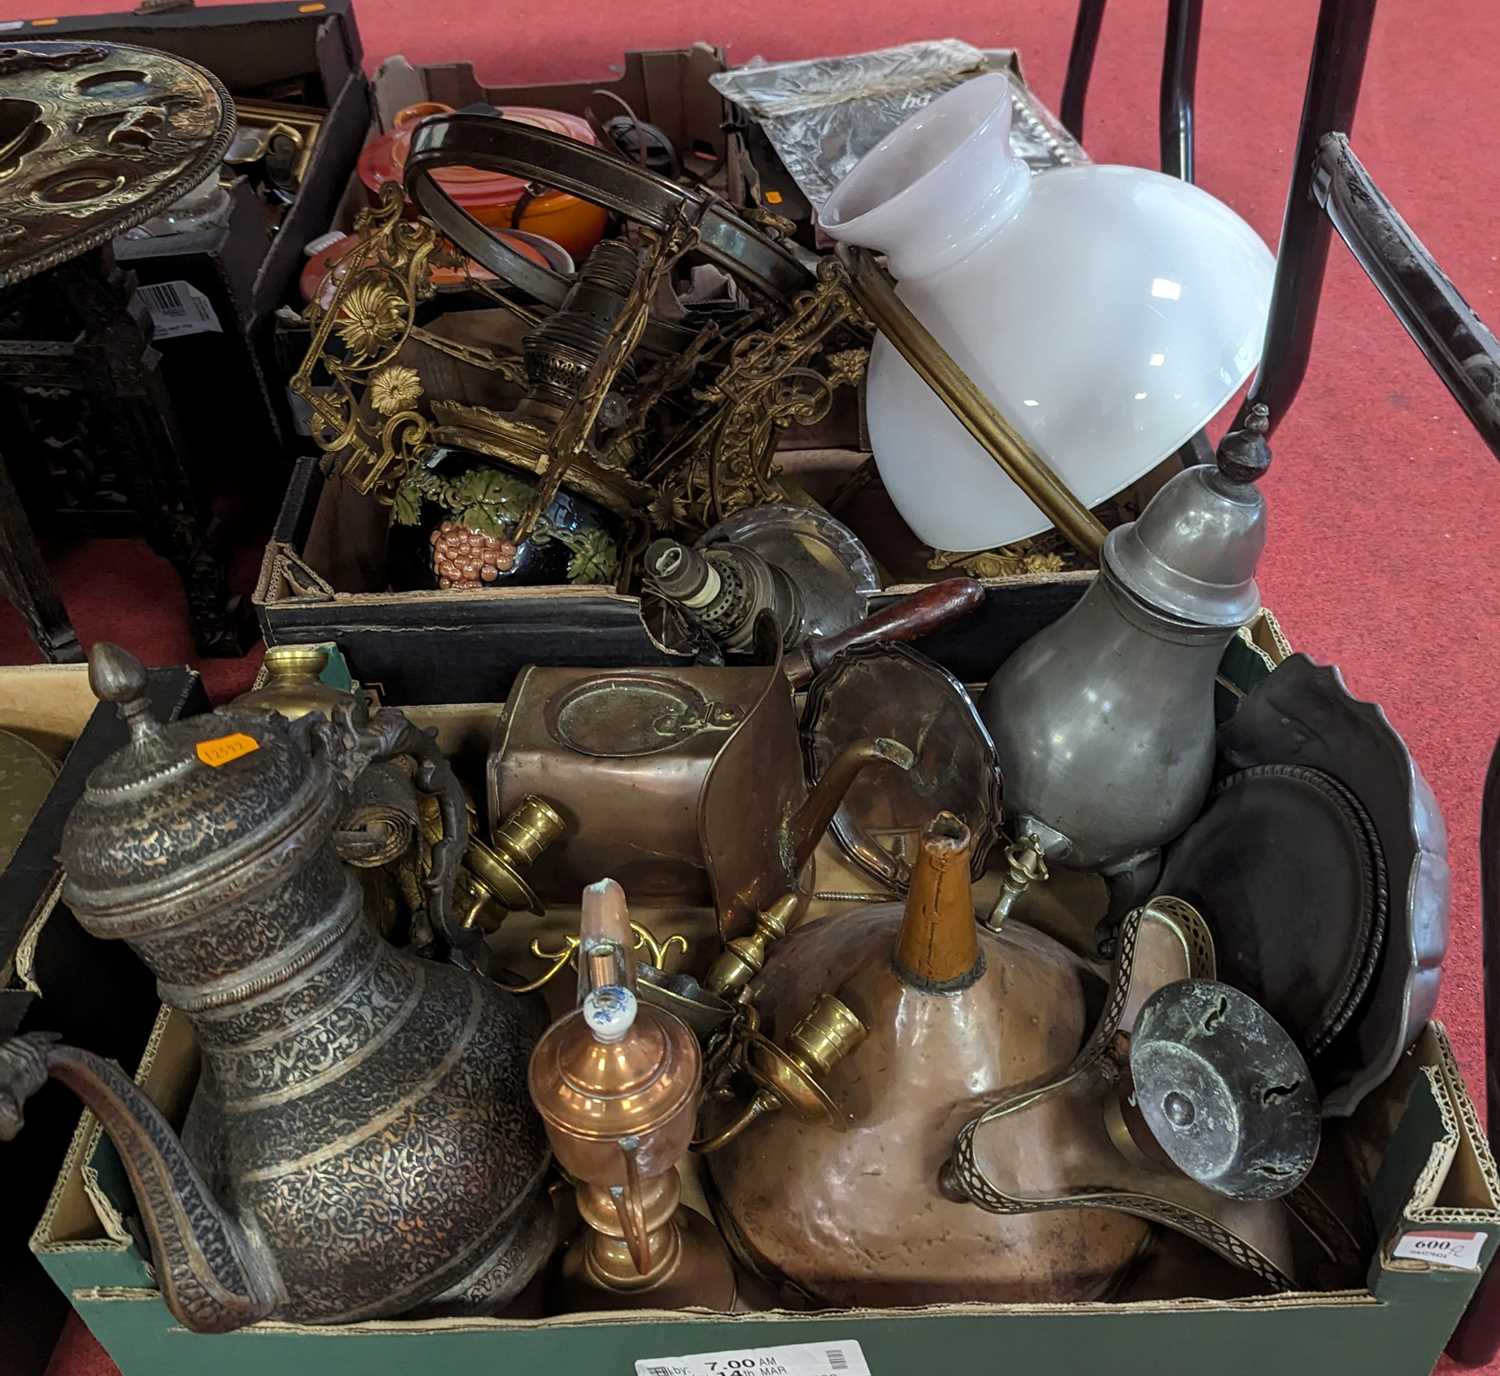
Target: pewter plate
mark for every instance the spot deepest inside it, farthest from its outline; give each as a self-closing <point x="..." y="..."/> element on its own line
<point x="892" y="690"/>
<point x="1286" y="869"/>
<point x="1303" y="714"/>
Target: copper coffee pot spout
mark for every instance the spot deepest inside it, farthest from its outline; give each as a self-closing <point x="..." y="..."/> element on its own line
<point x="811" y="820"/>
<point x="937" y="944"/>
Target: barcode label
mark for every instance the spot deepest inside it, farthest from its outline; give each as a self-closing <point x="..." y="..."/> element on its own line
<point x="178" y="308"/>
<point x="802" y="1359"/>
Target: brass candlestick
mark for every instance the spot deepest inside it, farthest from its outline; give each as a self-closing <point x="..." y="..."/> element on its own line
<point x="617" y="1084"/>
<point x="792" y="1078"/>
<point x="294" y="686"/>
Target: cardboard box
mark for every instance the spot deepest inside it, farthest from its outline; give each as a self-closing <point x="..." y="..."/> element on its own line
<point x="1415" y="1151"/>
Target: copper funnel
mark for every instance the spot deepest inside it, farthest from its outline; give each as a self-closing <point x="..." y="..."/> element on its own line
<point x="955" y="1014"/>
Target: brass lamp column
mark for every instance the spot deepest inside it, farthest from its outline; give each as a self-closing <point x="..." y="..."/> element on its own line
<point x="617" y="1084"/>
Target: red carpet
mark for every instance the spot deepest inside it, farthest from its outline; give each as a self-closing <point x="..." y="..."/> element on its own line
<point x="1385" y="508"/>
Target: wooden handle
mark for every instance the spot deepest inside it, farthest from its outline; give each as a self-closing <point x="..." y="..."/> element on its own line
<point x="910" y="618"/>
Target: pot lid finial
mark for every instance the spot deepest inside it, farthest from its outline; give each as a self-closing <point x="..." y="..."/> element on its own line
<point x="117" y="676"/>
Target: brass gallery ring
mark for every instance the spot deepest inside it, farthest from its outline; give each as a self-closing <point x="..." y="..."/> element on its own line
<point x="537" y="155"/>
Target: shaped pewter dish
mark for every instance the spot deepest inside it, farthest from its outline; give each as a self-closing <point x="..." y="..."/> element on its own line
<point x="1286" y="866"/>
<point x="1303" y="714"/>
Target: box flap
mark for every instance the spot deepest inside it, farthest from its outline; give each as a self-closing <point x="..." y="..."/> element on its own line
<point x="1435" y="1200"/>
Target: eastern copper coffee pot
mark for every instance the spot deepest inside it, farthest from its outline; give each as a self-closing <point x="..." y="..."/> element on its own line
<point x="363" y="1112"/>
<point x="617" y="1083"/>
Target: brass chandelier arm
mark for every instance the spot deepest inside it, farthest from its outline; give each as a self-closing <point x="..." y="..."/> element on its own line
<point x="758" y="260"/>
<point x="875" y="293"/>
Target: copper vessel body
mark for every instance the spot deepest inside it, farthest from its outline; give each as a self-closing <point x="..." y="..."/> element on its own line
<point x="623" y="756"/>
<point x="366" y="1147"/>
<point x="954" y="1013"/>
<point x="590" y="1095"/>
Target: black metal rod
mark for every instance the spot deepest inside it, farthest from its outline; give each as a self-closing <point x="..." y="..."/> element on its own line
<point x="1477" y="1338"/>
<point x="1179" y="78"/>
<point x="1081" y="64"/>
<point x="1333" y="79"/>
<point x="1457" y="344"/>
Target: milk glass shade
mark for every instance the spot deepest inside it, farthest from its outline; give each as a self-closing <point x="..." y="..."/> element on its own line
<point x="1108" y="312"/>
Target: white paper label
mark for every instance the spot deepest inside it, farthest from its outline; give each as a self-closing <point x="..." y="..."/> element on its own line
<point x="1461" y="1250"/>
<point x="841" y="1358"/>
<point x="178" y="308"/>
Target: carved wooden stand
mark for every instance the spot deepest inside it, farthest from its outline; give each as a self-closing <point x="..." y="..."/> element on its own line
<point x="93" y="409"/>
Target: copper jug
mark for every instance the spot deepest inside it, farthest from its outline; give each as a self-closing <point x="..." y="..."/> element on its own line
<point x="617" y="1083"/>
<point x="363" y="1112"/>
<point x="953" y="1013"/>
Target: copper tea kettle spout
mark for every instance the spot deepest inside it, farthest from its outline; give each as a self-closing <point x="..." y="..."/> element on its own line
<point x="812" y="819"/>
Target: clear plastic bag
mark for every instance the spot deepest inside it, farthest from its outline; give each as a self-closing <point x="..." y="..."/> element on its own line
<point x="824" y="114"/>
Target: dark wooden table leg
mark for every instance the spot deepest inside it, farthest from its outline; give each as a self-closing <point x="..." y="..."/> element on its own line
<point x="24" y="580"/>
<point x="119" y="360"/>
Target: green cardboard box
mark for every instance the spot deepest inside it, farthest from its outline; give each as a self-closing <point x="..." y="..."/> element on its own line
<point x="1414" y="1150"/>
<point x="1434" y="1187"/>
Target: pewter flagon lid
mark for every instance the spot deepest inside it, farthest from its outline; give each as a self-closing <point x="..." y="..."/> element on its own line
<point x="1192" y="553"/>
<point x="181" y="803"/>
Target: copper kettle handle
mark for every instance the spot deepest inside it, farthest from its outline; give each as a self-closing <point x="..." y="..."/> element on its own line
<point x="763" y="1102"/>
<point x="630" y="1207"/>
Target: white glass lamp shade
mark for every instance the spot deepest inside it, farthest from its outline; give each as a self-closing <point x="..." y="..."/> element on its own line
<point x="1108" y="312"/>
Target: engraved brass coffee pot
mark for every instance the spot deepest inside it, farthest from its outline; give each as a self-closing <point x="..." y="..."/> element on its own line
<point x="361" y="1113"/>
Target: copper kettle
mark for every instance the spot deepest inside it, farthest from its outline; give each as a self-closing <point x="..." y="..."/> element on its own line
<point x="952" y="1013"/>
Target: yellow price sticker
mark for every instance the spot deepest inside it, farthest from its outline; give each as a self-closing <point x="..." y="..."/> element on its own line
<point x="222" y="749"/>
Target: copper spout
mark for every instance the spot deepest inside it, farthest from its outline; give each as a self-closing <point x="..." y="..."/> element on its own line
<point x="811" y="819"/>
<point x="937" y="947"/>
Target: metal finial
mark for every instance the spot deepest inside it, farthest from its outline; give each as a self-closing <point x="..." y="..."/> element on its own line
<point x="117" y="676"/>
<point x="1244" y="455"/>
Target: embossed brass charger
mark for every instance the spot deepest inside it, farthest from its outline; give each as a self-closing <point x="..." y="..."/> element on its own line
<point x="26" y="776"/>
<point x="96" y="138"/>
<point x="362" y="1112"/>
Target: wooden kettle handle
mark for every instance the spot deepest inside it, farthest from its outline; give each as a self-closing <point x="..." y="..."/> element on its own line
<point x="909" y="618"/>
